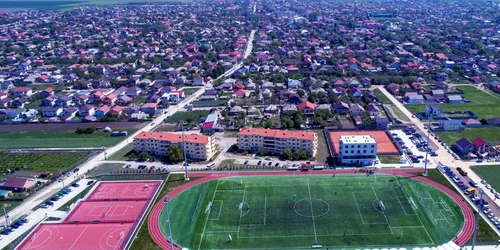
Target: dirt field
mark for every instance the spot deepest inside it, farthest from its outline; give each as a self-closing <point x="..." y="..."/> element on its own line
<point x="68" y="126"/>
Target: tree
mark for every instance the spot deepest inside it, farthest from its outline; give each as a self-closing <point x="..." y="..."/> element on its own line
<point x="298" y="120"/>
<point x="286" y="154"/>
<point x="175" y="153"/>
<point x="268" y="124"/>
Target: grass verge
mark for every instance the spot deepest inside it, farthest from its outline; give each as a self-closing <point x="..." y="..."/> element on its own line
<point x="389" y="159"/>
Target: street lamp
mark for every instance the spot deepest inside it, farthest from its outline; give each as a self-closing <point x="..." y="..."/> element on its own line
<point x="186" y="177"/>
<point x="476" y="228"/>
<point x="166" y="201"/>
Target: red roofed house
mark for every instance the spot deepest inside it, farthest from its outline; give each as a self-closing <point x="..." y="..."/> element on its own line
<point x="307" y="108"/>
<point x="197" y="146"/>
<point x="116" y="110"/>
<point x="47" y="92"/>
<point x="274" y="141"/>
<point x="480" y="145"/>
<point x="110" y="99"/>
<point x="18" y="184"/>
<point x="240" y="93"/>
<point x="102" y="111"/>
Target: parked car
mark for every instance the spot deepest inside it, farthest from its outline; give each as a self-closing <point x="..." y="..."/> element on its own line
<point x="76" y="170"/>
<point x="277" y="164"/>
<point x="246" y="162"/>
<point x="75" y="185"/>
<point x="258" y="163"/>
<point x="128" y="166"/>
<point x="270" y="163"/>
<point x="90" y="182"/>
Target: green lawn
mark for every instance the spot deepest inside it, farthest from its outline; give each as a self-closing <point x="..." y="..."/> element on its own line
<point x="491" y="134"/>
<point x="39" y="162"/>
<point x="122" y="154"/>
<point x="140" y="100"/>
<point x="58" y="139"/>
<point x="322" y="154"/>
<point x="388" y="159"/>
<point x="383" y="99"/>
<point x="481" y="103"/>
<point x="188" y="117"/>
<point x="489" y="174"/>
<point x="190" y="91"/>
<point x="143" y="239"/>
<point x="211" y="102"/>
<point x="300" y="211"/>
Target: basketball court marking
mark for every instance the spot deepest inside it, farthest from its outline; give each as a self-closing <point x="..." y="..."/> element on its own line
<point x="109" y="235"/>
<point x="74" y="242"/>
<point x="37" y="235"/>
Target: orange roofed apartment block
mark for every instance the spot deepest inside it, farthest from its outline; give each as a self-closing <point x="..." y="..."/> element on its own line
<point x="197" y="146"/>
<point x="275" y="141"/>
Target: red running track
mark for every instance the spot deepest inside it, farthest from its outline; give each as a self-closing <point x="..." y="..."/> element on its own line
<point x="159" y="238"/>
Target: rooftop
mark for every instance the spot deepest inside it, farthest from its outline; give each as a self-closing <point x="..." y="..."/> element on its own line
<point x="285" y="134"/>
<point x="172" y="137"/>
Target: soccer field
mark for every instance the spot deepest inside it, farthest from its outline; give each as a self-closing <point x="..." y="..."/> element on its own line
<point x="345" y="211"/>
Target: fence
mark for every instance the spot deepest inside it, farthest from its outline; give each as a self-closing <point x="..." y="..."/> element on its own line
<point x="131" y="176"/>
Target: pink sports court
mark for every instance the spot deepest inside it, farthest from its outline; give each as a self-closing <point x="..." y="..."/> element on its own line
<point x="105" y="220"/>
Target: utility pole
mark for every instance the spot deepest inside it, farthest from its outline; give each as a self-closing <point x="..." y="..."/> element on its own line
<point x="6" y="216"/>
<point x="166" y="201"/>
<point x="186" y="177"/>
<point x="428" y="145"/>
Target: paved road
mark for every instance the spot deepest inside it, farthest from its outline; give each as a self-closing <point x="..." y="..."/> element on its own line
<point x="446" y="158"/>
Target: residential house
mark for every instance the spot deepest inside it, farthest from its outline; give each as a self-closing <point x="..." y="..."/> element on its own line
<point x="51" y="111"/>
<point x="110" y="99"/>
<point x="149" y="108"/>
<point x="63" y="102"/>
<point x="355" y="92"/>
<point x="438" y="94"/>
<point x="198" y="81"/>
<point x="293" y="84"/>
<point x="21" y="91"/>
<point x="341" y="108"/>
<point x="373" y="109"/>
<point x="448" y="124"/>
<point x="464" y="146"/>
<point x="133" y="92"/>
<point x="414" y="98"/>
<point x="289" y="108"/>
<point x="18" y="184"/>
<point x="68" y="113"/>
<point x="240" y="93"/>
<point x="96" y="97"/>
<point x="454" y="99"/>
<point x="116" y="110"/>
<point x="480" y="145"/>
<point x="307" y="108"/>
<point x="272" y="109"/>
<point x="49" y="101"/>
<point x="472" y="123"/>
<point x="381" y="122"/>
<point x="433" y="111"/>
<point x="102" y="111"/>
<point x="12" y="113"/>
<point x="86" y="110"/>
<point x="236" y="111"/>
<point x="494" y="121"/>
<point x="123" y="100"/>
<point x="20" y="102"/>
<point x="325" y="106"/>
<point x="393" y="88"/>
<point x="294" y="99"/>
<point x="47" y="92"/>
<point x="356" y="109"/>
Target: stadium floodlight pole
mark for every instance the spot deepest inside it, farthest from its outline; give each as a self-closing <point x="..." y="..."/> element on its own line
<point x="476" y="228"/>
<point x="6" y="216"/>
<point x="166" y="201"/>
<point x="186" y="177"/>
<point x="428" y="145"/>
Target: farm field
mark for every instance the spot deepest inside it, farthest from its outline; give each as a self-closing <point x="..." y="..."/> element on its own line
<point x="299" y="211"/>
<point x="58" y="139"/>
<point x="190" y="91"/>
<point x="489" y="174"/>
<point x="40" y="161"/>
<point x="490" y="134"/>
<point x="480" y="103"/>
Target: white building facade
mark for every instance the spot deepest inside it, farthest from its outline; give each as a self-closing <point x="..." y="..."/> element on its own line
<point x="274" y="141"/>
<point x="357" y="150"/>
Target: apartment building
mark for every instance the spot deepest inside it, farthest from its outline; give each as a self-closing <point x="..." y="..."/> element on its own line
<point x="198" y="147"/>
<point x="357" y="150"/>
<point x="275" y="141"/>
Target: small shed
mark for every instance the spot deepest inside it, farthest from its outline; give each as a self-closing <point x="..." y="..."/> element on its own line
<point x="18" y="184"/>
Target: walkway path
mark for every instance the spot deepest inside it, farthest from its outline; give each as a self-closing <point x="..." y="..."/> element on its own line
<point x="159" y="238"/>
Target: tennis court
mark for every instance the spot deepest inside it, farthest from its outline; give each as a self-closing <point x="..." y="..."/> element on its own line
<point x="102" y="211"/>
<point x="125" y="190"/>
<point x="84" y="236"/>
<point x="384" y="143"/>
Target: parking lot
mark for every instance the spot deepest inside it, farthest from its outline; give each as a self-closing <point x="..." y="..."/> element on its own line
<point x="489" y="210"/>
<point x="413" y="145"/>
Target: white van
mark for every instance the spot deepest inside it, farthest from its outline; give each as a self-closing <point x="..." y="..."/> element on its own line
<point x="210" y="166"/>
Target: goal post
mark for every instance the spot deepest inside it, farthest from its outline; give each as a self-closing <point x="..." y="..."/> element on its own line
<point x="381" y="205"/>
<point x="240" y="207"/>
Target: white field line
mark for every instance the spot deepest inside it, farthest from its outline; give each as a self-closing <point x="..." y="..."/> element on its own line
<point x="359" y="210"/>
<point x="312" y="211"/>
<point x="265" y="209"/>
<point x="385" y="216"/>
<point x="239" y="222"/>
<point x="206" y="221"/>
<point x="220" y="209"/>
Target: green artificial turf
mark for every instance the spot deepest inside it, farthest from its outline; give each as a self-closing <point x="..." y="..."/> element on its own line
<point x="300" y="211"/>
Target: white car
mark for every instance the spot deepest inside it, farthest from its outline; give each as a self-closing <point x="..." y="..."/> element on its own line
<point x="487" y="186"/>
<point x="493" y="191"/>
<point x="483" y="181"/>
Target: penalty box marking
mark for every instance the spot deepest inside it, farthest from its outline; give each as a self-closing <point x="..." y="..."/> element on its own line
<point x="220" y="208"/>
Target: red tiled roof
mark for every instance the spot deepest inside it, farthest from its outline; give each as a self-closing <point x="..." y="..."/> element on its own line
<point x="165" y="136"/>
<point x="307" y="104"/>
<point x="278" y="133"/>
<point x="478" y="142"/>
<point x="49" y="90"/>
